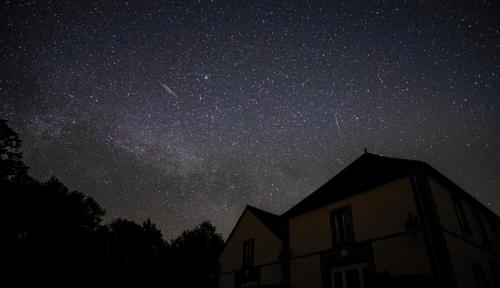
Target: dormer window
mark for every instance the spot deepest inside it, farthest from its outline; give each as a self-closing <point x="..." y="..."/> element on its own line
<point x="341" y="225"/>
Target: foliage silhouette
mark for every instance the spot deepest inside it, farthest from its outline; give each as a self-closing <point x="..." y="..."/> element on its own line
<point x="194" y="254"/>
<point x="11" y="165"/>
<point x="51" y="233"/>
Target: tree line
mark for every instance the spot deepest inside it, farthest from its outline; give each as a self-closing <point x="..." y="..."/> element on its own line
<point x="51" y="234"/>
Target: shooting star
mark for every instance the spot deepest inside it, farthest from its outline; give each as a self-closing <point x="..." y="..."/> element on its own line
<point x="338" y="127"/>
<point x="168" y="90"/>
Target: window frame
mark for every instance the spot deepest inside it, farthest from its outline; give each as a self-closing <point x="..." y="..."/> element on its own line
<point x="360" y="268"/>
<point x="461" y="216"/>
<point x="248" y="253"/>
<point x="339" y="233"/>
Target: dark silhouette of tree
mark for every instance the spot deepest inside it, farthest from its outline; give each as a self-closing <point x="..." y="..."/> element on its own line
<point x="136" y="253"/>
<point x="51" y="233"/>
<point x="51" y="229"/>
<point x="44" y="225"/>
<point x="12" y="168"/>
<point x="154" y="240"/>
<point x="81" y="213"/>
<point x="193" y="256"/>
<point x="128" y="244"/>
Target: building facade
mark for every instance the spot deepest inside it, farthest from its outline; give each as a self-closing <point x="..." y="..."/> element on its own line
<point x="380" y="222"/>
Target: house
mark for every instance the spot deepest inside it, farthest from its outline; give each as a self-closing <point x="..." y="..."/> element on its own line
<point x="380" y="219"/>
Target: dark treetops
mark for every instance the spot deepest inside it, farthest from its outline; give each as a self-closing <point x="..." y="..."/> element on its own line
<point x="56" y="235"/>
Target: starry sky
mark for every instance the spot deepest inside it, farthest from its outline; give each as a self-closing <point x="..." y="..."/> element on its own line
<point x="185" y="111"/>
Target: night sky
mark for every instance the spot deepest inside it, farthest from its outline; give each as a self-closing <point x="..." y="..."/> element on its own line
<point x="184" y="111"/>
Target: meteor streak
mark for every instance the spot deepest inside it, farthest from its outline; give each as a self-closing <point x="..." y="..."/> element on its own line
<point x="338" y="127"/>
<point x="168" y="90"/>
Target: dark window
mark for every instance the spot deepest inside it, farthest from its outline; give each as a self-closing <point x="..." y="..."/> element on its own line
<point x="479" y="275"/>
<point x="248" y="249"/>
<point x="352" y="279"/>
<point x="341" y="225"/>
<point x="459" y="209"/>
<point x="495" y="272"/>
<point x="480" y="226"/>
<point x="337" y="279"/>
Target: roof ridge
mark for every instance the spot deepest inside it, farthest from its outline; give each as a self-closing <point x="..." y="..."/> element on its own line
<point x="354" y="178"/>
<point x="272" y="221"/>
<point x="261" y="210"/>
<point x="388" y="157"/>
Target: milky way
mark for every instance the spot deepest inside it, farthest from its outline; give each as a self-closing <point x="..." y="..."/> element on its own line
<point x="184" y="111"/>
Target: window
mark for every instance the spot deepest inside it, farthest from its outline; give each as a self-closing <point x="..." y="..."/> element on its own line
<point x="353" y="276"/>
<point x="248" y="249"/>
<point x="479" y="275"/>
<point x="495" y="272"/>
<point x="459" y="209"/>
<point x="341" y="225"/>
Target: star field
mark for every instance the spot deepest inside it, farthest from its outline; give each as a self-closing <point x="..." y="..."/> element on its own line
<point x="184" y="111"/>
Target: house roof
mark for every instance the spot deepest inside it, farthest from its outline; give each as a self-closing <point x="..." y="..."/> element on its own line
<point x="367" y="171"/>
<point x="272" y="221"/>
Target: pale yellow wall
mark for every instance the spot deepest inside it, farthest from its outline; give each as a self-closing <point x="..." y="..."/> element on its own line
<point x="305" y="272"/>
<point x="378" y="212"/>
<point x="401" y="255"/>
<point x="449" y="219"/>
<point x="226" y="281"/>
<point x="462" y="255"/>
<point x="271" y="275"/>
<point x="446" y="209"/>
<point x="267" y="245"/>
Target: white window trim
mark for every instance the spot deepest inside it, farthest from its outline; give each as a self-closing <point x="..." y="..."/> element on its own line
<point x="343" y="269"/>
